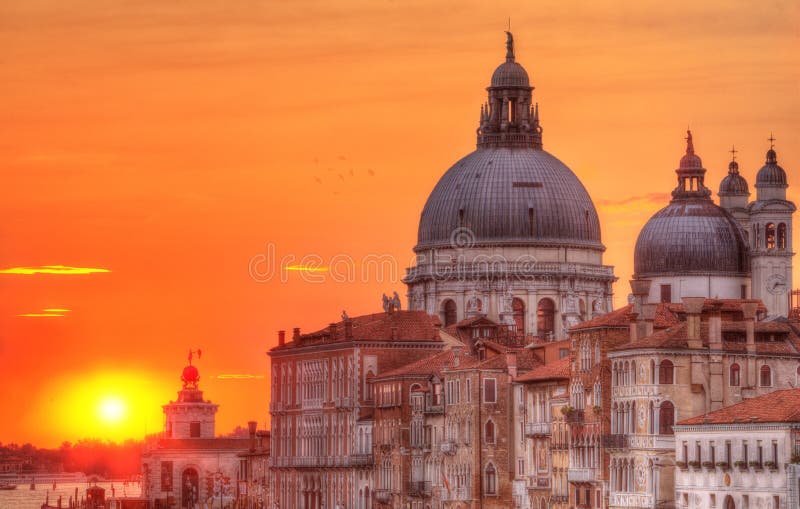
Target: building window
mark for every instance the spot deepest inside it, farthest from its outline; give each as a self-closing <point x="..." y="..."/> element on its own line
<point x="488" y="432"/>
<point x="766" y="376"/>
<point x="489" y="390"/>
<point x="518" y="313"/>
<point x="666" y="293"/>
<point x="194" y="429"/>
<point x="666" y="418"/>
<point x="166" y="476"/>
<point x="734" y="378"/>
<point x="769" y="235"/>
<point x="782" y="236"/>
<point x="449" y="312"/>
<point x="665" y="372"/>
<point x="545" y="318"/>
<point x="491" y="480"/>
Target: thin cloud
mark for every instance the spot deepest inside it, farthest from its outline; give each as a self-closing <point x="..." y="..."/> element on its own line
<point x="306" y="268"/>
<point x="641" y="203"/>
<point x="53" y="269"/>
<point x="56" y="310"/>
<point x="41" y="315"/>
<point x="238" y="376"/>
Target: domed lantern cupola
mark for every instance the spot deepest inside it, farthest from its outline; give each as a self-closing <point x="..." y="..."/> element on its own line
<point x="190" y="416"/>
<point x="771" y="181"/>
<point x="734" y="191"/>
<point x="691" y="175"/>
<point x="509" y="118"/>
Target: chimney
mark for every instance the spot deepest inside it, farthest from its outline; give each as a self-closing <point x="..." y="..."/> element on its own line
<point x="511" y="360"/>
<point x="633" y="326"/>
<point x="281" y="337"/>
<point x="348" y="329"/>
<point x="648" y="318"/>
<point x="715" y="325"/>
<point x="749" y="309"/>
<point x="640" y="288"/>
<point x="456" y="356"/>
<point x="394" y="333"/>
<point x="332" y="331"/>
<point x="693" y="307"/>
<point x="251" y="427"/>
<point x="296" y="333"/>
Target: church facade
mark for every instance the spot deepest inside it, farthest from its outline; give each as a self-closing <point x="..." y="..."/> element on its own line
<point x="509" y="231"/>
<point x="734" y="250"/>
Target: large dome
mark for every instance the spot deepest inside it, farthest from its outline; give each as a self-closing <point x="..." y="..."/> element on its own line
<point x="690" y="237"/>
<point x="509" y="196"/>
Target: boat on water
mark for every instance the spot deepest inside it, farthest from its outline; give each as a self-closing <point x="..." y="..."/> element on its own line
<point x="7" y="486"/>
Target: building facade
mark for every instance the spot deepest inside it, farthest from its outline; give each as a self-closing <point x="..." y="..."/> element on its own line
<point x="745" y="455"/>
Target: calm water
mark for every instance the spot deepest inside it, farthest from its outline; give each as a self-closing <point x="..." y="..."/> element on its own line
<point x="24" y="498"/>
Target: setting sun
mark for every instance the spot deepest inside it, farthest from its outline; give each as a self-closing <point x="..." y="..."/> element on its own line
<point x="111" y="409"/>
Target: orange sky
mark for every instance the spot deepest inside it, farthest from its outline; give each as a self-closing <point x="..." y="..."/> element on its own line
<point x="171" y="142"/>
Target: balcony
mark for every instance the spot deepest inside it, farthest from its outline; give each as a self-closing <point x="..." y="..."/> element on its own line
<point x="383" y="496"/>
<point x="537" y="429"/>
<point x="461" y="493"/>
<point x="448" y="447"/>
<point x="276" y="407"/>
<point x="582" y="475"/>
<point x="615" y="441"/>
<point x="360" y="460"/>
<point x="631" y="500"/>
<point x="559" y="446"/>
<point x="419" y="489"/>
<point x="575" y="417"/>
<point x="559" y="499"/>
<point x="434" y="405"/>
<point x="344" y="402"/>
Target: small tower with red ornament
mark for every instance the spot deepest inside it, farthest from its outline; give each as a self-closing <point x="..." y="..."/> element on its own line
<point x="190" y="416"/>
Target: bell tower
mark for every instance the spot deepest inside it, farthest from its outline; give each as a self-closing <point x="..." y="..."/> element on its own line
<point x="771" y="237"/>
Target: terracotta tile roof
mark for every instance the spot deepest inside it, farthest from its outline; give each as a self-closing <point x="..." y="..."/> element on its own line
<point x="665" y="317"/>
<point x="558" y="370"/>
<point x="423" y="367"/>
<point x="676" y="337"/>
<point x="403" y="325"/>
<point x="775" y="407"/>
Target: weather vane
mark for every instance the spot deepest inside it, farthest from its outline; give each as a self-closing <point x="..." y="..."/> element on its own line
<point x="192" y="352"/>
<point x="771" y="141"/>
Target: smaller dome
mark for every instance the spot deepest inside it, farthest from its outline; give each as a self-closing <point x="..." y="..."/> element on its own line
<point x="510" y="74"/>
<point x="190" y="375"/>
<point x="771" y="174"/>
<point x="733" y="183"/>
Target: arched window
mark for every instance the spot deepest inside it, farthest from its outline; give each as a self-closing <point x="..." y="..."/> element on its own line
<point x="449" y="312"/>
<point x="491" y="479"/>
<point x="766" y="376"/>
<point x="734" y="378"/>
<point x="665" y="372"/>
<point x="782" y="236"/>
<point x="769" y="235"/>
<point x="582" y="309"/>
<point x="666" y="418"/>
<point x="518" y="312"/>
<point x="545" y="317"/>
<point x="488" y="432"/>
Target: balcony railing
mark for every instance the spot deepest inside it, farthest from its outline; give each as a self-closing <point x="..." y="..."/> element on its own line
<point x="575" y="417"/>
<point x="358" y="460"/>
<point x="419" y="488"/>
<point x="434" y="406"/>
<point x="448" y="447"/>
<point x="615" y="441"/>
<point x="631" y="500"/>
<point x="581" y="474"/>
<point x="537" y="429"/>
<point x="276" y="406"/>
<point x="383" y="496"/>
<point x="344" y="402"/>
<point x="459" y="493"/>
<point x="559" y="446"/>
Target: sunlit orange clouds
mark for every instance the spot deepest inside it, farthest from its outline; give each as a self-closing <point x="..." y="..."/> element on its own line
<point x="46" y="313"/>
<point x="53" y="269"/>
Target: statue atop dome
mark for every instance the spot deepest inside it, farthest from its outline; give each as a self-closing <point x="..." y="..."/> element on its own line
<point x="509" y="47"/>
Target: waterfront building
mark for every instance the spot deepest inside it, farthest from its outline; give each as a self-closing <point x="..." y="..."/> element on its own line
<point x="323" y="403"/>
<point x="746" y="455"/>
<point x="187" y="464"/>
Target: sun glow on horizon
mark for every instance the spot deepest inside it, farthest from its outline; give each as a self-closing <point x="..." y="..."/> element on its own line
<point x="111" y="409"/>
